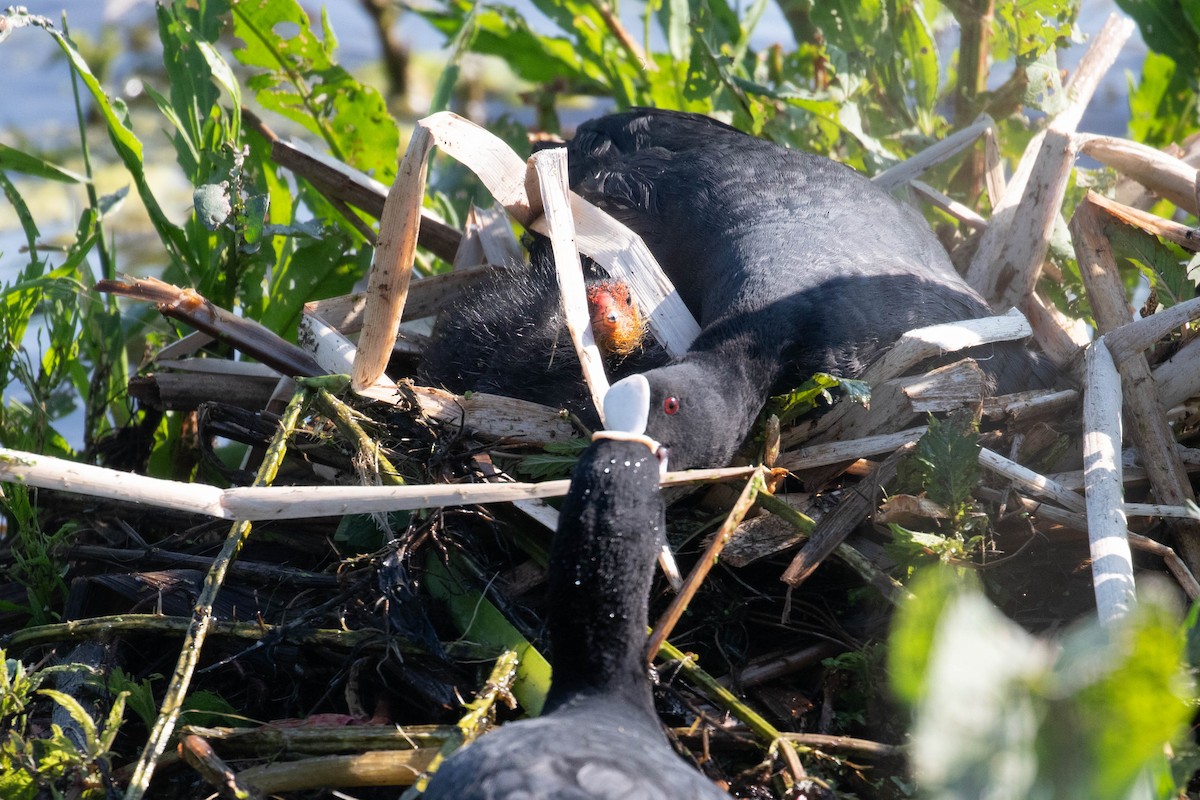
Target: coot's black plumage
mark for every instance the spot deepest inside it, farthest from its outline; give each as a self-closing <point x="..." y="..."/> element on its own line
<point x="598" y="736"/>
<point x="792" y="263"/>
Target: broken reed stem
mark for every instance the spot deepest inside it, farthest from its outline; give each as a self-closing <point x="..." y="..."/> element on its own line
<point x="382" y="768"/>
<point x="1112" y="561"/>
<point x="480" y="716"/>
<point x="670" y="617"/>
<point x="551" y="168"/>
<point x="202" y="617"/>
<point x="199" y="755"/>
<point x="391" y="268"/>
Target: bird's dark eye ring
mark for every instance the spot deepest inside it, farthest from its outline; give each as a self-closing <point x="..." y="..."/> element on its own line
<point x="671" y="405"/>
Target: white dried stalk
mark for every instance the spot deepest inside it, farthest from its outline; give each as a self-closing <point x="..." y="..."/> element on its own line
<point x="1163" y="174"/>
<point x="1135" y="336"/>
<point x="391" y="268"/>
<point x="962" y="213"/>
<point x="500" y="245"/>
<point x="1160" y="510"/>
<point x="1034" y="195"/>
<point x="1112" y="562"/>
<point x="1178" y="378"/>
<point x="1030" y="481"/>
<point x="934" y="340"/>
<point x="821" y="455"/>
<point x="931" y="156"/>
<point x="551" y="168"/>
<point x="284" y="502"/>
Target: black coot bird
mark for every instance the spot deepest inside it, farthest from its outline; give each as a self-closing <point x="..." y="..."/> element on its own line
<point x="792" y="263"/>
<point x="598" y="736"/>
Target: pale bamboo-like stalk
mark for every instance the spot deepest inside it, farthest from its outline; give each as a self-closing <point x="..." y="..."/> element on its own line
<point x="391" y="269"/>
<point x="937" y="153"/>
<point x="551" y="169"/>
<point x="1112" y="561"/>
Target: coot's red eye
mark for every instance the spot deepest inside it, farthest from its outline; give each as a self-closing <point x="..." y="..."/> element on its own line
<point x="671" y="405"/>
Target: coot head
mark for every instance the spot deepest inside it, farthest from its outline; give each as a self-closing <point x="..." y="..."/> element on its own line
<point x="697" y="412"/>
<point x="598" y="735"/>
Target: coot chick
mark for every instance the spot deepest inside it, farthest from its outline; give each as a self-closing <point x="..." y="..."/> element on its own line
<point x="598" y="736"/>
<point x="507" y="335"/>
<point x="792" y="263"/>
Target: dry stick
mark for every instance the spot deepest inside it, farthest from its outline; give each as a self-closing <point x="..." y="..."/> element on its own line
<point x="833" y="529"/>
<point x="1030" y="481"/>
<point x="244" y="335"/>
<point x="391" y="269"/>
<point x="1182" y="235"/>
<point x="911" y="168"/>
<point x="202" y="618"/>
<point x="1170" y="177"/>
<point x="1148" y="426"/>
<point x="1133" y="337"/>
<point x="666" y="623"/>
<point x="551" y="169"/>
<point x="287" y="502"/>
<point x="199" y="756"/>
<point x="1006" y="266"/>
<point x="270" y="740"/>
<point x="1112" y="562"/>
<point x="383" y="768"/>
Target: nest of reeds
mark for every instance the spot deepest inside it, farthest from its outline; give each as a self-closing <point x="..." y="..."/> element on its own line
<point x="380" y="558"/>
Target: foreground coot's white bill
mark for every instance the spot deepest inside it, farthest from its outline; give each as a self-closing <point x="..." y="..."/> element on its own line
<point x="598" y="736"/>
<point x="792" y="263"/>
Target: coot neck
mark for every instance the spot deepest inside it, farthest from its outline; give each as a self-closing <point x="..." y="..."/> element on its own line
<point x="600" y="573"/>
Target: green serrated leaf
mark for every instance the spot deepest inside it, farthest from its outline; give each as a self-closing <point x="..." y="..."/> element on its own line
<point x="77" y="712"/>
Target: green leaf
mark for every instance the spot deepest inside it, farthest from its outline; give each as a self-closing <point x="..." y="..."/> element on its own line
<point x="304" y="84"/>
<point x="1169" y="27"/>
<point x="13" y="160"/>
<point x="1164" y="268"/>
<point x="946" y="462"/>
<point x="1162" y="107"/>
<point x="480" y="621"/>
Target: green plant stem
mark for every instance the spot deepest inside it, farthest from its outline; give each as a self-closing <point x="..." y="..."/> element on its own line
<point x="106" y="265"/>
<point x="479" y="716"/>
<point x="344" y="418"/>
<point x="158" y="625"/>
<point x="202" y="618"/>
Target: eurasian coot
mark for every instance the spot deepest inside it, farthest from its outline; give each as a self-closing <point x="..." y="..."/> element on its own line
<point x="792" y="263"/>
<point x="598" y="736"/>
